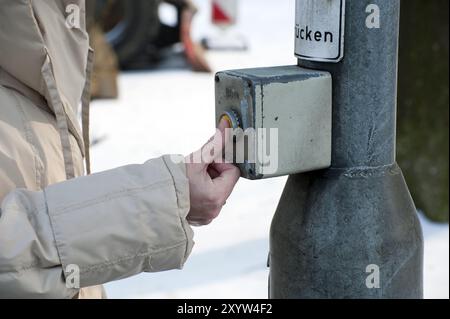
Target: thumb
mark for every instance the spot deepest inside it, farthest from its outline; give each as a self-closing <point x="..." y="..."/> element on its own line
<point x="229" y="176"/>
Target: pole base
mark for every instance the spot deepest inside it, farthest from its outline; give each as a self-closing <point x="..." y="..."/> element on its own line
<point x="334" y="229"/>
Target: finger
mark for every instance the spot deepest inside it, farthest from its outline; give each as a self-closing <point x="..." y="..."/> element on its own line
<point x="220" y="132"/>
<point x="223" y="125"/>
<point x="205" y="155"/>
<point x="213" y="150"/>
<point x="212" y="172"/>
<point x="221" y="167"/>
<point x="226" y="130"/>
<point x="227" y="180"/>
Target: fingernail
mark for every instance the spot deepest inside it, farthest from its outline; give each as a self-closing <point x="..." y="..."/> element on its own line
<point x="224" y="123"/>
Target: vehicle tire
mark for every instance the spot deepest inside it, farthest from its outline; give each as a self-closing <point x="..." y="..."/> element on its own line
<point x="129" y="26"/>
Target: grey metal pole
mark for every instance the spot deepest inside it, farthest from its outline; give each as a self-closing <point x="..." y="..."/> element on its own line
<point x="336" y="230"/>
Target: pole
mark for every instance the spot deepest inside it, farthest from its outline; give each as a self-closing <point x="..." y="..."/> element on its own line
<point x="352" y="231"/>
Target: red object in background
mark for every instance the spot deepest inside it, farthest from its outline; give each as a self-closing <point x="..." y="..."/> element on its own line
<point x="224" y="16"/>
<point x="219" y="15"/>
<point x="224" y="12"/>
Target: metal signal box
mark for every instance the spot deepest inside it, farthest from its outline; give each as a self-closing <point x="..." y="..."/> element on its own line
<point x="281" y="116"/>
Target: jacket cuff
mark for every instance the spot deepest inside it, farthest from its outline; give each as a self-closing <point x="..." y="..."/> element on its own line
<point x="121" y="222"/>
<point x="177" y="168"/>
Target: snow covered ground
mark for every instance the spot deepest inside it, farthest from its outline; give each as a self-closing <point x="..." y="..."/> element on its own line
<point x="173" y="112"/>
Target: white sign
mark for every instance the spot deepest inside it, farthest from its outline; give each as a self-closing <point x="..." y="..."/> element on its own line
<point x="319" y="30"/>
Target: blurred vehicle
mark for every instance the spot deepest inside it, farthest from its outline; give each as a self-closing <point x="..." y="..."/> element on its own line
<point x="139" y="38"/>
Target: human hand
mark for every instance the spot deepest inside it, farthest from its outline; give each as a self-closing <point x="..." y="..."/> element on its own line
<point x="210" y="180"/>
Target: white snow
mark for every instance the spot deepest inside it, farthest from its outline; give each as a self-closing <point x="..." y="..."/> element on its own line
<point x="436" y="284"/>
<point x="164" y="112"/>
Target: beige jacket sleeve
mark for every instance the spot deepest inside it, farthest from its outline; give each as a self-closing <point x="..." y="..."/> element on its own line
<point x="109" y="225"/>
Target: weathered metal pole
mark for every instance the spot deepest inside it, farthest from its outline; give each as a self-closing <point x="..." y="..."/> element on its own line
<point x="352" y="231"/>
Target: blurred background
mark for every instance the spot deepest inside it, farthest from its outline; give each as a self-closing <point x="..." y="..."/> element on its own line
<point x="153" y="92"/>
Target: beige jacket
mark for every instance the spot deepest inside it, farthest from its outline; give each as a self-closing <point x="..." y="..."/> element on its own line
<point x="110" y="225"/>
